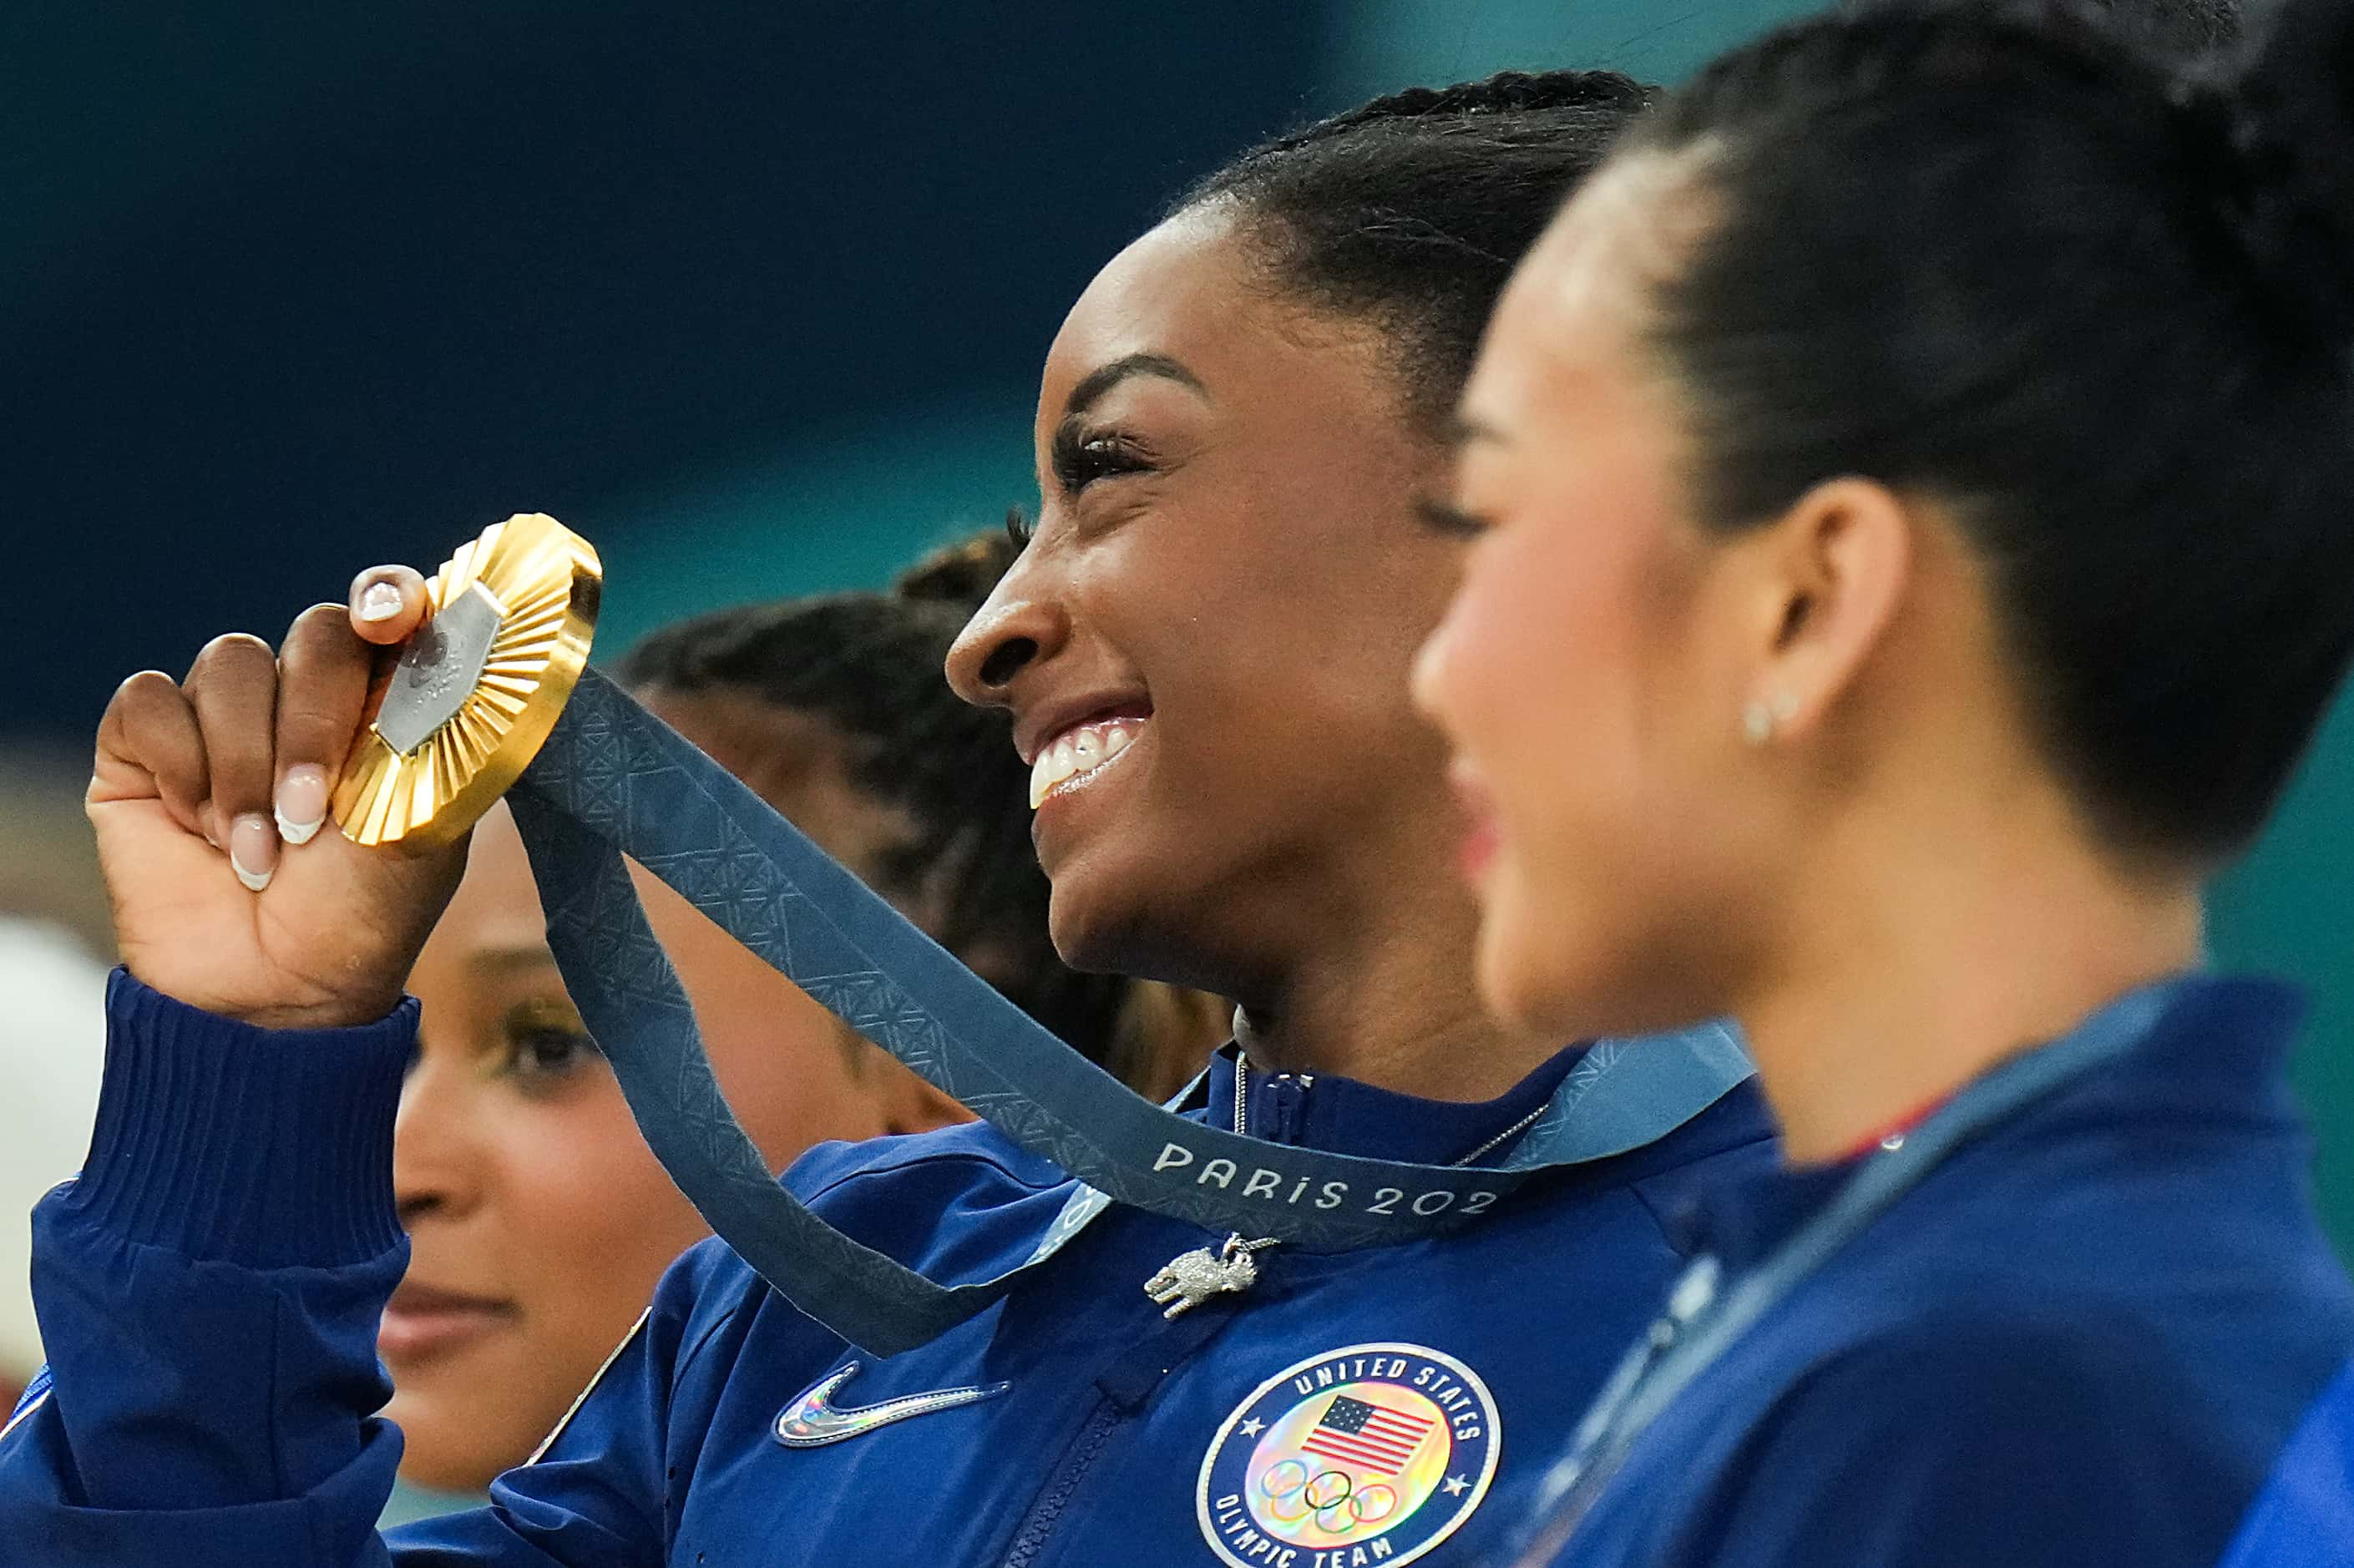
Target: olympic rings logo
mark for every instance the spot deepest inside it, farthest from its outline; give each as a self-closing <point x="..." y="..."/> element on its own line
<point x="1380" y="1450"/>
<point x="1293" y="1492"/>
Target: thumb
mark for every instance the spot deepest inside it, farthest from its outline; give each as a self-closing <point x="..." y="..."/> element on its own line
<point x="388" y="604"/>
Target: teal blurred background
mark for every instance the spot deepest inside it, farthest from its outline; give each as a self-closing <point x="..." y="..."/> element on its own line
<point x="752" y="296"/>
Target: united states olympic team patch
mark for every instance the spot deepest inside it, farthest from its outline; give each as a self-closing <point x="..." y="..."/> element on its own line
<point x="1371" y="1454"/>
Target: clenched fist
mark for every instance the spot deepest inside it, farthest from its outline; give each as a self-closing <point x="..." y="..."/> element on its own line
<point x="210" y="796"/>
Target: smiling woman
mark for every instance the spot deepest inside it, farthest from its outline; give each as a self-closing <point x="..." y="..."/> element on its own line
<point x="1912" y="478"/>
<point x="1200" y="534"/>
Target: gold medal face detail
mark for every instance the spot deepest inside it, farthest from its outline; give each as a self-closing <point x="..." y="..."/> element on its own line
<point x="475" y="693"/>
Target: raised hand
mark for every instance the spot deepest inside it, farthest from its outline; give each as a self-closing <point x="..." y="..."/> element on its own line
<point x="231" y="891"/>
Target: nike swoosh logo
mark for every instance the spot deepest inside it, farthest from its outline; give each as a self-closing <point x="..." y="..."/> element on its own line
<point x="812" y="1421"/>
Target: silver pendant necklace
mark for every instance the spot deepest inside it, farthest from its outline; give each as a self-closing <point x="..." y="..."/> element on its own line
<point x="1193" y="1277"/>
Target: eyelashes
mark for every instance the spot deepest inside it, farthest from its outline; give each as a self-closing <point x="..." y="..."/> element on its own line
<point x="1081" y="456"/>
<point x="537" y="1046"/>
<point x="1078" y="458"/>
<point x="540" y="1062"/>
<point x="1449" y="520"/>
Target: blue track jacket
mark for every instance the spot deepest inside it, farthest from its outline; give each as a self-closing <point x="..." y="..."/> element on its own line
<point x="209" y="1288"/>
<point x="2081" y="1341"/>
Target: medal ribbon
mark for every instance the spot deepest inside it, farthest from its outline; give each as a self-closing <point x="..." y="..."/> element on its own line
<point x="613" y="780"/>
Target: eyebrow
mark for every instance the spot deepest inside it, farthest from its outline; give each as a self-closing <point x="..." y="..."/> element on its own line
<point x="1095" y="383"/>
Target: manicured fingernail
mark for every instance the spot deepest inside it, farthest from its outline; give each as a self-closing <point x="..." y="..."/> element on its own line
<point x="207" y="823"/>
<point x="253" y="850"/>
<point x="301" y="803"/>
<point x="380" y="601"/>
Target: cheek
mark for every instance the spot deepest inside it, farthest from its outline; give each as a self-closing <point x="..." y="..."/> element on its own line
<point x="591" y="1219"/>
<point x="1544" y="687"/>
<point x="1272" y="601"/>
<point x="581" y="1222"/>
<point x="1567" y="686"/>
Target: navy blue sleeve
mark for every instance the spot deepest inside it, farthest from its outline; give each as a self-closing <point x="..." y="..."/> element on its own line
<point x="1976" y="1445"/>
<point x="2305" y="1518"/>
<point x="208" y="1290"/>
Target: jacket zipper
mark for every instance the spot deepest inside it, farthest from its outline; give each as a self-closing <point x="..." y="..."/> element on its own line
<point x="1289" y="1104"/>
<point x="1046" y="1513"/>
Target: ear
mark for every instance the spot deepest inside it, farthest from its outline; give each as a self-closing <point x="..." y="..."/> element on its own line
<point x="1838" y="564"/>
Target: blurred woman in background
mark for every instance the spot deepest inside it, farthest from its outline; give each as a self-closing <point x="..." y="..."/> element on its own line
<point x="537" y="1219"/>
<point x="1911" y="484"/>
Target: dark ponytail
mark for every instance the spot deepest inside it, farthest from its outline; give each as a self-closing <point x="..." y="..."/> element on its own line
<point x="962" y="575"/>
<point x="2096" y="303"/>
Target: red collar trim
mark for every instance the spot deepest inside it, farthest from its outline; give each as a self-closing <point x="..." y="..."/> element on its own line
<point x="1879" y="1137"/>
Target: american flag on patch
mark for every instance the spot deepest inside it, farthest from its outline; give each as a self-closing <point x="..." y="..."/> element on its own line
<point x="1371" y="1437"/>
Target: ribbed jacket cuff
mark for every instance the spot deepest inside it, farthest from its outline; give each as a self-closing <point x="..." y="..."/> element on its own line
<point x="264" y="1148"/>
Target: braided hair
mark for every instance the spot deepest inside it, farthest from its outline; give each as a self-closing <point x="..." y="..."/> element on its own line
<point x="867" y="666"/>
<point x="2097" y="300"/>
<point x="1410" y="212"/>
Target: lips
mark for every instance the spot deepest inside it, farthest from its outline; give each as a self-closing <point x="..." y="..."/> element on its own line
<point x="421" y="1322"/>
<point x="1477" y="851"/>
<point x="1481" y="835"/>
<point x="1068" y="744"/>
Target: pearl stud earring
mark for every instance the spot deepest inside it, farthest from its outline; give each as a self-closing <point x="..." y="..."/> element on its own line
<point x="1759" y="720"/>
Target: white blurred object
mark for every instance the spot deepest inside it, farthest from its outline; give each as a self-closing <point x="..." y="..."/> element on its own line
<point x="52" y="1049"/>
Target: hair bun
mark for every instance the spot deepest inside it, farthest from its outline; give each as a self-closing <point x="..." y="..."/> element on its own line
<point x="961" y="575"/>
<point x="2294" y="134"/>
<point x="1512" y="89"/>
<point x="1507" y="91"/>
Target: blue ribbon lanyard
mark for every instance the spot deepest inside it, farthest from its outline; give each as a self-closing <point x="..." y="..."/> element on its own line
<point x="614" y="780"/>
<point x="1701" y="1322"/>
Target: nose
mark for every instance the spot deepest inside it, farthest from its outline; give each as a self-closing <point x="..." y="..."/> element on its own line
<point x="437" y="1168"/>
<point x="1017" y="629"/>
<point x="1429" y="681"/>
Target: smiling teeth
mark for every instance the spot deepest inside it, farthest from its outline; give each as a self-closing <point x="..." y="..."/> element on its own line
<point x="1078" y="751"/>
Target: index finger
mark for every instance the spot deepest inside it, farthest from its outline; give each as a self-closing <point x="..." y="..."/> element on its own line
<point x="322" y="686"/>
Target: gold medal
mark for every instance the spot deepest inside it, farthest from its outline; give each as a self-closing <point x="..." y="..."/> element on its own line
<point x="475" y="693"/>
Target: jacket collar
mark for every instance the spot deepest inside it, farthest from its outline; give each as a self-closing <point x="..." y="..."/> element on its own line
<point x="1345" y="1115"/>
<point x="2217" y="1050"/>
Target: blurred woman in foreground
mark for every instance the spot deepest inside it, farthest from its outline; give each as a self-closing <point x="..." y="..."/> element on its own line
<point x="1912" y="478"/>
